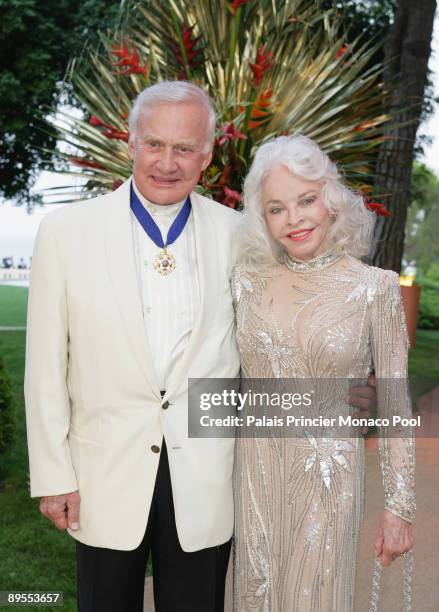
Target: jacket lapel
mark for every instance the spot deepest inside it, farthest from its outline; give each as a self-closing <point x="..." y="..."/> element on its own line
<point x="207" y="256"/>
<point x="122" y="268"/>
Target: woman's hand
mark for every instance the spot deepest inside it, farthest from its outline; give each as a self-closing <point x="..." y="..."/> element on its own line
<point x="395" y="537"/>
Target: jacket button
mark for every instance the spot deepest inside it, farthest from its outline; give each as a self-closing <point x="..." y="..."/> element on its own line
<point x="155" y="448"/>
<point x="165" y="405"/>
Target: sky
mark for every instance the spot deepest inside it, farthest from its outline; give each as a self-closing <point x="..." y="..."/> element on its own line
<point x="18" y="228"/>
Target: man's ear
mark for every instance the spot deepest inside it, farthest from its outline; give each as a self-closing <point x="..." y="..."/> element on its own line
<point x="131" y="146"/>
<point x="207" y="160"/>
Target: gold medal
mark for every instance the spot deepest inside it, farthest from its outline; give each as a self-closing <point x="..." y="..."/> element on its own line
<point x="164" y="262"/>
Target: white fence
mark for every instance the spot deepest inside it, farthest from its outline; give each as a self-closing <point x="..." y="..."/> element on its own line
<point x="8" y="275"/>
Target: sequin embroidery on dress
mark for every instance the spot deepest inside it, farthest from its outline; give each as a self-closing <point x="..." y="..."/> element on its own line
<point x="299" y="502"/>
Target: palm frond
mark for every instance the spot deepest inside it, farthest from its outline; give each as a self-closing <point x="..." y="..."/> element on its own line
<point x="271" y="67"/>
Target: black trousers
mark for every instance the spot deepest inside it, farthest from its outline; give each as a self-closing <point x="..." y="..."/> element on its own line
<point x="113" y="580"/>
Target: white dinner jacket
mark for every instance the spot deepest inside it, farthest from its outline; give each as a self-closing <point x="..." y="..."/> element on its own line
<point x="93" y="404"/>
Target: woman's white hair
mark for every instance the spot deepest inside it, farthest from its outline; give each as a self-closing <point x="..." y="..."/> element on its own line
<point x="352" y="224"/>
<point x="174" y="92"/>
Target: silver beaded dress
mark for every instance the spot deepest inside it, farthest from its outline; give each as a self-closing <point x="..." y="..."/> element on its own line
<point x="299" y="501"/>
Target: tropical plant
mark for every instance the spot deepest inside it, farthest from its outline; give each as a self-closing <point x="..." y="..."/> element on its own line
<point x="271" y="66"/>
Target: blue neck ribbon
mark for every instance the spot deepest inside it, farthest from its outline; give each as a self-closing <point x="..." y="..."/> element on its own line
<point x="150" y="226"/>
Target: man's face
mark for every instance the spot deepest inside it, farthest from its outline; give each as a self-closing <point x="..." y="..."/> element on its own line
<point x="168" y="150"/>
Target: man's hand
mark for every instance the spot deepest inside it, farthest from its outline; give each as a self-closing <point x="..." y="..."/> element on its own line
<point x="62" y="510"/>
<point x="364" y="398"/>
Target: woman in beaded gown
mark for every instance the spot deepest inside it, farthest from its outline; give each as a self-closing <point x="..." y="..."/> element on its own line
<point x="306" y="307"/>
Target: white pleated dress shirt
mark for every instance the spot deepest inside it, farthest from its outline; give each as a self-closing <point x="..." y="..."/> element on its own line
<point x="171" y="303"/>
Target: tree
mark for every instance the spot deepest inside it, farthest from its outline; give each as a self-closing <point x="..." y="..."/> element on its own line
<point x="37" y="39"/>
<point x="371" y="18"/>
<point x="405" y="76"/>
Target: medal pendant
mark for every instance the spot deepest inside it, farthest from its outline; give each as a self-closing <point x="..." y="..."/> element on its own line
<point x="164" y="263"/>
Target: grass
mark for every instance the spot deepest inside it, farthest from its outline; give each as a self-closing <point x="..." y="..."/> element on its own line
<point x="424" y="363"/>
<point x="36" y="556"/>
<point x="13" y="304"/>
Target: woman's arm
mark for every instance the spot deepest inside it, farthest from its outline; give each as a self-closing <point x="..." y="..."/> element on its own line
<point x="396" y="445"/>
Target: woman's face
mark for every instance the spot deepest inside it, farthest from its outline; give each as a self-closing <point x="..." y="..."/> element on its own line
<point x="295" y="213"/>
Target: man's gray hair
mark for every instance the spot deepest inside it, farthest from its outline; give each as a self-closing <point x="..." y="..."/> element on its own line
<point x="174" y="92"/>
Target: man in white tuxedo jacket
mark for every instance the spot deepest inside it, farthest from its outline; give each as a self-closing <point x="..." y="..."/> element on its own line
<point x="117" y="325"/>
<point x="112" y="340"/>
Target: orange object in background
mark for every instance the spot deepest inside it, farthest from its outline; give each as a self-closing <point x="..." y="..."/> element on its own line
<point x="410" y="297"/>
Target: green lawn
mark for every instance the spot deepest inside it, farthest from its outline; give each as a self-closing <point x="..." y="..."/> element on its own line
<point x="13" y="304"/>
<point x="33" y="554"/>
<point x="424" y="363"/>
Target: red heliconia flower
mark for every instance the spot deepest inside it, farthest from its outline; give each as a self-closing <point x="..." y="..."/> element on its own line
<point x="194" y="54"/>
<point x="110" y="131"/>
<point x="94" y="120"/>
<point x="135" y="69"/>
<point x="264" y="61"/>
<point x="114" y="134"/>
<point x="230" y="132"/>
<point x="130" y="59"/>
<point x="116" y="184"/>
<point x="378" y="208"/>
<point x="264" y="98"/>
<point x="232" y="197"/>
<point x="234" y="6"/>
<point x="260" y="111"/>
<point x="86" y="163"/>
<point x="343" y="49"/>
<point x="121" y="52"/>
